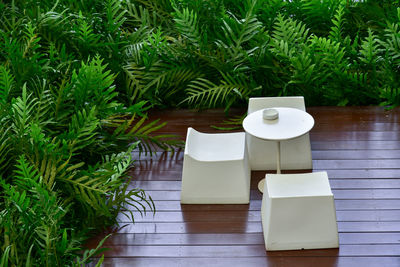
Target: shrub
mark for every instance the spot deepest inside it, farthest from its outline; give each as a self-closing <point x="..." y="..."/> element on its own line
<point x="66" y="137"/>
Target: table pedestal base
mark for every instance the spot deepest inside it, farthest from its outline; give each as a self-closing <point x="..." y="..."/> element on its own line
<point x="261" y="185"/>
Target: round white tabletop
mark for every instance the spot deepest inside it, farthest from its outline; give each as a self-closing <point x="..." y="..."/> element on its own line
<point x="290" y="124"/>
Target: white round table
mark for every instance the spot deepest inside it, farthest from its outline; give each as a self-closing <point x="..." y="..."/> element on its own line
<point x="290" y="124"/>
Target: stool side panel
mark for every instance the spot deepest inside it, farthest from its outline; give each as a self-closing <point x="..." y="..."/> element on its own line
<point x="299" y="223"/>
<point x="215" y="183"/>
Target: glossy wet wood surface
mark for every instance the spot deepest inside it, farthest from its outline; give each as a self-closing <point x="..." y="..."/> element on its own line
<point x="359" y="147"/>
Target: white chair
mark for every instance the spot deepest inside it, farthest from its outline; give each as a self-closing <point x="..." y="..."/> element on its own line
<point x="298" y="212"/>
<point x="295" y="153"/>
<point x="215" y="169"/>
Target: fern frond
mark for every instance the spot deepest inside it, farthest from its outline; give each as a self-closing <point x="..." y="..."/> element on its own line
<point x="6" y="84"/>
<point x="85" y="34"/>
<point x="119" y="162"/>
<point x="250" y="26"/>
<point x="303" y="69"/>
<point x="54" y="26"/>
<point x="25" y="174"/>
<point x="115" y="14"/>
<point x="161" y="79"/>
<point x="288" y="38"/>
<point x="187" y="24"/>
<point x="90" y="188"/>
<point x="53" y="19"/>
<point x="137" y="39"/>
<point x="290" y="31"/>
<point x="136" y="129"/>
<point x="135" y="80"/>
<point x="358" y="78"/>
<point x="6" y="149"/>
<point x="10" y="18"/>
<point x="45" y="103"/>
<point x="124" y="196"/>
<point x="370" y="49"/>
<point x="282" y="49"/>
<point x="48" y="169"/>
<point x="329" y="54"/>
<point x="318" y="13"/>
<point x="94" y="84"/>
<point x="338" y="22"/>
<point x="22" y="109"/>
<point x="392" y="42"/>
<point x="169" y="78"/>
<point x="205" y="93"/>
<point x="238" y="32"/>
<point x="149" y="140"/>
<point x="32" y="43"/>
<point x="17" y="198"/>
<point x="121" y="167"/>
<point x="138" y="15"/>
<point x="90" y="253"/>
<point x="391" y="97"/>
<point x="46" y="155"/>
<point x="82" y="129"/>
<point x="234" y="123"/>
<point x="160" y="7"/>
<point x="127" y="198"/>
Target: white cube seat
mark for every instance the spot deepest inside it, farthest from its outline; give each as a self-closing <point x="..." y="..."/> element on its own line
<point x="215" y="169"/>
<point x="295" y="153"/>
<point x="298" y="212"/>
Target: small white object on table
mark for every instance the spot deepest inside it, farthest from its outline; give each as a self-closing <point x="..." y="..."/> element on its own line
<point x="290" y="123"/>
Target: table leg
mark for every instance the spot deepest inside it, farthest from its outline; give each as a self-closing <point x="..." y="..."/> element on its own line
<point x="278" y="157"/>
<point x="278" y="166"/>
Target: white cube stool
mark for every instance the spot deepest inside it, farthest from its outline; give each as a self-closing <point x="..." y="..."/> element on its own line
<point x="215" y="169"/>
<point x="298" y="212"/>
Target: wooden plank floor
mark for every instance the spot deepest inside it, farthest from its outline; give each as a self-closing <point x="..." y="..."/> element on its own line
<point x="359" y="147"/>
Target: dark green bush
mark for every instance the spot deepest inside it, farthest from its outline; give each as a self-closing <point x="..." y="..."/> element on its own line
<point x="67" y="132"/>
<point x="219" y="53"/>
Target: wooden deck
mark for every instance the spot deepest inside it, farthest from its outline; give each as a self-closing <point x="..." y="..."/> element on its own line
<point x="359" y="147"/>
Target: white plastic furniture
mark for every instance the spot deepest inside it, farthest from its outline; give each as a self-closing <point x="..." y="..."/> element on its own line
<point x="290" y="124"/>
<point x="215" y="169"/>
<point x="295" y="153"/>
<point x="298" y="212"/>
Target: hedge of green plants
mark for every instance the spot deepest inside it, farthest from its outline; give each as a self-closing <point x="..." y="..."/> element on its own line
<point x="219" y="53"/>
<point x="78" y="76"/>
<point x="193" y="53"/>
<point x="67" y="131"/>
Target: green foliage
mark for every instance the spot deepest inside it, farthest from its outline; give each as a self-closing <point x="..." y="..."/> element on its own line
<point x="33" y="216"/>
<point x="67" y="134"/>
<point x="334" y="52"/>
